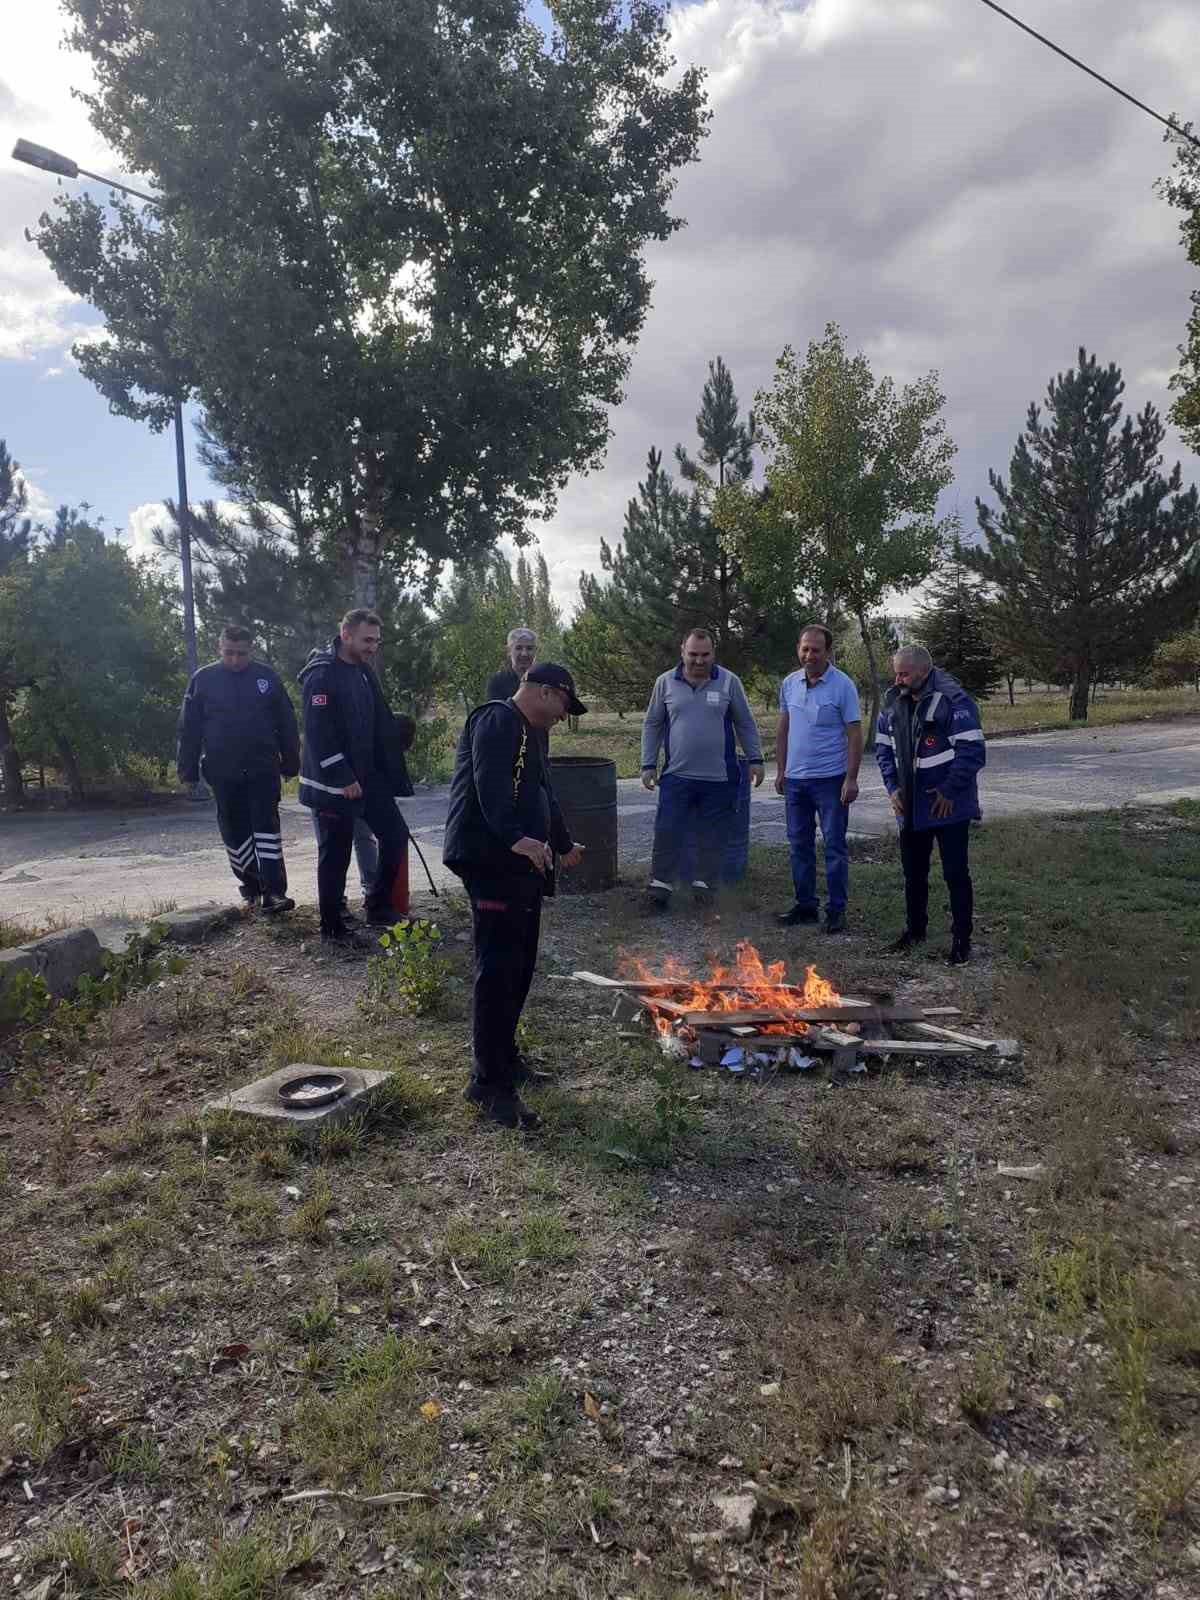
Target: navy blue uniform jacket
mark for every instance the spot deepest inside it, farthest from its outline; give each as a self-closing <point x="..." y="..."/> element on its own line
<point x="350" y="735"/>
<point x="243" y="723"/>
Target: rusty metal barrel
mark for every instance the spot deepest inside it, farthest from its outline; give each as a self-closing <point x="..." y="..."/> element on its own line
<point x="586" y="787"/>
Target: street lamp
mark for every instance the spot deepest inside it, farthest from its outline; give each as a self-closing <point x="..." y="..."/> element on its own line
<point x="37" y="155"/>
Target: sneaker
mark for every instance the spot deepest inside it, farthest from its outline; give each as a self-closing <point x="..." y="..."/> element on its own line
<point x="797" y="915"/>
<point x="959" y="952"/>
<point x="501" y="1106"/>
<point x="835" y="922"/>
<point x="275" y="904"/>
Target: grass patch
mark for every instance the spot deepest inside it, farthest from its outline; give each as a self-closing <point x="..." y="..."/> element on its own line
<point x="494" y="1252"/>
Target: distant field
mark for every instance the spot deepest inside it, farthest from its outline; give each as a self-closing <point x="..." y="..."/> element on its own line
<point x="603" y="733"/>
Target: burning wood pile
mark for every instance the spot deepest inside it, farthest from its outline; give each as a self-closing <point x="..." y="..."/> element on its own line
<point x="748" y="1016"/>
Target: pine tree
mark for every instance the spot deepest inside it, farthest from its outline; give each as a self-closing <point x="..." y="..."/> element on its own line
<point x="672" y="570"/>
<point x="1091" y="556"/>
<point x="955" y="628"/>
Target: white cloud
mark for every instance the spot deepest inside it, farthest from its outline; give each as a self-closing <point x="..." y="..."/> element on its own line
<point x="52" y="372"/>
<point x="945" y="188"/>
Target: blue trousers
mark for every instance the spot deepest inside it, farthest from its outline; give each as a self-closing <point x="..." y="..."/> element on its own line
<point x="810" y="800"/>
<point x="366" y="852"/>
<point x="696" y="806"/>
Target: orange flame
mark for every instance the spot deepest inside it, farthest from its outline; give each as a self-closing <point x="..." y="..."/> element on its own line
<point x="748" y="984"/>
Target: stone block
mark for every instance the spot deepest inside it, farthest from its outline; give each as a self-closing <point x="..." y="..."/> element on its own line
<point x="261" y="1099"/>
<point x="61" y="959"/>
<point x="194" y="925"/>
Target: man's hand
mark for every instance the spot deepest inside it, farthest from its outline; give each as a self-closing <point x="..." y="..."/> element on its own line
<point x="649" y="778"/>
<point x="573" y="856"/>
<point x="897" y="802"/>
<point x="780" y="782"/>
<point x="849" y="791"/>
<point x="353" y="791"/>
<point x="536" y="852"/>
<point x="941" y="807"/>
<point x="756" y="773"/>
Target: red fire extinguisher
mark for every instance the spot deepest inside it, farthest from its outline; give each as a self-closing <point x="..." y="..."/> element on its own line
<point x="400" y="885"/>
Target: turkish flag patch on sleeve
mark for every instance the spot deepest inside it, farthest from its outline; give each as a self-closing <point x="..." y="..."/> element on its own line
<point x="319" y="700"/>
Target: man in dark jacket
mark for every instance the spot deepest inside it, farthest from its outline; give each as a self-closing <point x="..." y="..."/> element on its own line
<point x="238" y="724"/>
<point x="520" y="647"/>
<point x="353" y="767"/>
<point x="503" y="831"/>
<point x="930" y="748"/>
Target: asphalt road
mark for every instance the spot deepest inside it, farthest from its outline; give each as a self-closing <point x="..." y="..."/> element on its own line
<point x="125" y="863"/>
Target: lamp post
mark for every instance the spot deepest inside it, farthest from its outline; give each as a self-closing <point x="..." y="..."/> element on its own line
<point x="37" y="155"/>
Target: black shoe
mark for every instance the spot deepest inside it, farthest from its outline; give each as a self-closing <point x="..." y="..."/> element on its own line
<point x="384" y="919"/>
<point x="907" y="941"/>
<point x="275" y="904"/>
<point x="797" y="915"/>
<point x="655" y="901"/>
<point x="501" y="1106"/>
<point x="835" y="922"/>
<point x="959" y="952"/>
<point x="250" y="896"/>
<point x="349" y="918"/>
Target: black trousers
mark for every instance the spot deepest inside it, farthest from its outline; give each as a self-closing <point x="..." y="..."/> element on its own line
<point x="335" y="844"/>
<point x="248" y="817"/>
<point x="507" y="926"/>
<point x="916" y="851"/>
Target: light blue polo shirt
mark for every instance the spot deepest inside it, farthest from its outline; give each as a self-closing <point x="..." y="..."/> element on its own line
<point x="817" y="718"/>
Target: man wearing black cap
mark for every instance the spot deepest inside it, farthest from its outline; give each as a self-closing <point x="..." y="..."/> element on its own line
<point x="503" y="831"/>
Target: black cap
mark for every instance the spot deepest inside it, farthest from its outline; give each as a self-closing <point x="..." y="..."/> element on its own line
<point x="549" y="672"/>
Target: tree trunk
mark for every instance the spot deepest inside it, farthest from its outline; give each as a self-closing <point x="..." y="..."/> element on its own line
<point x="1081" y="692"/>
<point x="366" y="555"/>
<point x="1012" y="699"/>
<point x="10" y="762"/>
<point x="70" y="767"/>
<point x="872" y="669"/>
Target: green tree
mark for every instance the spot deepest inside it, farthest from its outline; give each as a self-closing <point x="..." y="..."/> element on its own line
<point x="1091" y="555"/>
<point x="474" y="614"/>
<point x="1176" y="661"/>
<point x="97" y="636"/>
<point x="1182" y="190"/>
<point x="398" y="256"/>
<point x="15" y="533"/>
<point x="853" y="474"/>
<point x="955" y="627"/>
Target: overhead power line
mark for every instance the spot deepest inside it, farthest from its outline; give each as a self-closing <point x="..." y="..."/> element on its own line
<point x="1180" y="133"/>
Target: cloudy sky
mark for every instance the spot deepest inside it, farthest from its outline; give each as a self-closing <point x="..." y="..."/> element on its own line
<point x="945" y="188"/>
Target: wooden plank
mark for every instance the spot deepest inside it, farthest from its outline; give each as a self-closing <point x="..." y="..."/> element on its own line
<point x="971" y="1039"/>
<point x="911" y="1047"/>
<point x="943" y="1011"/>
<point x="868" y="1014"/>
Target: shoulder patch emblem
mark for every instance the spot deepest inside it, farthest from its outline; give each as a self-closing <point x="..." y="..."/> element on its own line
<point x="264" y="685"/>
<point x="319" y="700"/>
<point x="930" y="741"/>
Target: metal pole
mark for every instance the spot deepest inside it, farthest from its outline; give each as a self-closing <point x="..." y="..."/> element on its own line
<point x="185" y="545"/>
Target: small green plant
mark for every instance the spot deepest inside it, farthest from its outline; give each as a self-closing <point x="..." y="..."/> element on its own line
<point x="26" y="1000"/>
<point x="411" y="972"/>
<point x="318" y="1322"/>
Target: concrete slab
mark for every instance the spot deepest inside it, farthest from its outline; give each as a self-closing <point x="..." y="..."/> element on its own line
<point x="261" y="1099"/>
<point x="61" y="959"/>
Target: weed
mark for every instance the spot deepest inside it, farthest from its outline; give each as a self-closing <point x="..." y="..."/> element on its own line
<point x="41" y="1399"/>
<point x="341" y="1140"/>
<point x="984" y="1389"/>
<point x="89" y="1559"/>
<point x="309" y="1218"/>
<point x="83" y="1306"/>
<point x="1166" y="1487"/>
<point x="26" y="1000"/>
<point x="367" y="1275"/>
<point x="403" y="1097"/>
<point x="255" y="1212"/>
<point x="317" y="1323"/>
<point x="495" y="1252"/>
<point x="410" y="974"/>
<point x="134" y="1455"/>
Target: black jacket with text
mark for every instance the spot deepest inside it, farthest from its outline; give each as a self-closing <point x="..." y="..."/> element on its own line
<point x="237" y="725"/>
<point x="500" y="793"/>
